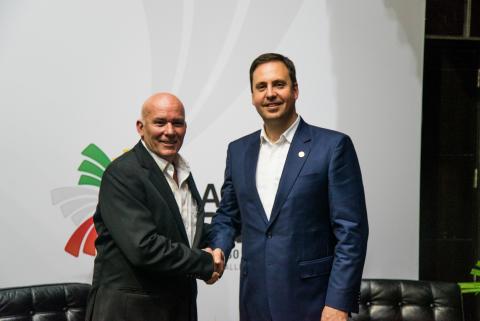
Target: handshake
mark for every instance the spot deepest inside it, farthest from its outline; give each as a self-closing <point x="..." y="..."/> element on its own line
<point x="218" y="264"/>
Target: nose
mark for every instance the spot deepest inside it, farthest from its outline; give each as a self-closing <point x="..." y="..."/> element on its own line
<point x="169" y="129"/>
<point x="270" y="93"/>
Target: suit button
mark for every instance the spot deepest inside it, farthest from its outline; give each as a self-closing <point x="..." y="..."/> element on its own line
<point x="269" y="235"/>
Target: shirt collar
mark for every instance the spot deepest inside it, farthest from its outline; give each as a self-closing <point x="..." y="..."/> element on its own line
<point x="287" y="135"/>
<point x="181" y="165"/>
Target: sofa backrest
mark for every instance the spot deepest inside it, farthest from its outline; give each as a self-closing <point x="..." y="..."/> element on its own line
<point x="57" y="302"/>
<point x="380" y="300"/>
<point x="402" y="300"/>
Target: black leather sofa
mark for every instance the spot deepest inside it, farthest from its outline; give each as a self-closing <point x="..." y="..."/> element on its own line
<point x="380" y="300"/>
<point x="400" y="300"/>
<point x="53" y="302"/>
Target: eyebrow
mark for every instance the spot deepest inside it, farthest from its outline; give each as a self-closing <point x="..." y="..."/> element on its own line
<point x="164" y="119"/>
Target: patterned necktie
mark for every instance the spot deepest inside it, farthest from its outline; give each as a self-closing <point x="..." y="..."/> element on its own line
<point x="175" y="177"/>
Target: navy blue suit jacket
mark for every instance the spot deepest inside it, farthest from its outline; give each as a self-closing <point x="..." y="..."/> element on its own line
<point x="312" y="250"/>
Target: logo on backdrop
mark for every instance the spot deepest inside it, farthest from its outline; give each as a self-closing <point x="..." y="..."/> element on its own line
<point x="78" y="202"/>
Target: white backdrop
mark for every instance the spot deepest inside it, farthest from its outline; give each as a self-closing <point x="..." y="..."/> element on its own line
<point x="73" y="73"/>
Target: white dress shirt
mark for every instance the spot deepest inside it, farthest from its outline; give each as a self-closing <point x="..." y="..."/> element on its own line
<point x="185" y="201"/>
<point x="271" y="160"/>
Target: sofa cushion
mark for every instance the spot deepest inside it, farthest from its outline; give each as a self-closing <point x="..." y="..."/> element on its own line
<point x="53" y="302"/>
<point x="404" y="300"/>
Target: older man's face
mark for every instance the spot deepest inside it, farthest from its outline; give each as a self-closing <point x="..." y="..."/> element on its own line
<point x="163" y="127"/>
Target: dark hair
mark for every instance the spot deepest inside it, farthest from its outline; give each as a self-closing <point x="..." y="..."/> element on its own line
<point x="268" y="57"/>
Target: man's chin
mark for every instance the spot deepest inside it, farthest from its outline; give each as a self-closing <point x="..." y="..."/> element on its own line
<point x="168" y="155"/>
<point x="271" y="117"/>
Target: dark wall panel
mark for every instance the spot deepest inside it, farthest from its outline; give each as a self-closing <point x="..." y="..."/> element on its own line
<point x="475" y="24"/>
<point x="445" y="17"/>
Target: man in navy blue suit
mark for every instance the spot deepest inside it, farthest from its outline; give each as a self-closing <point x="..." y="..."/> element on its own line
<point x="294" y="192"/>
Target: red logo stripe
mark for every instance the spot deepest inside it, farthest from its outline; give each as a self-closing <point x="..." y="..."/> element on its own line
<point x="89" y="246"/>
<point x="75" y="242"/>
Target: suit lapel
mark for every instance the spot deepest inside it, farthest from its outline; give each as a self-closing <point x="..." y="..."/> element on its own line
<point x="296" y="157"/>
<point x="160" y="182"/>
<point x="251" y="159"/>
<point x="200" y="211"/>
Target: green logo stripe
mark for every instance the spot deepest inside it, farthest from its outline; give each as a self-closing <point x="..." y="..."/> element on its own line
<point x="89" y="180"/>
<point x="95" y="153"/>
<point x="90" y="168"/>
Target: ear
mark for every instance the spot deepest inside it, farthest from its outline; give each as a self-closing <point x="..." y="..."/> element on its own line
<point x="140" y="128"/>
<point x="295" y="91"/>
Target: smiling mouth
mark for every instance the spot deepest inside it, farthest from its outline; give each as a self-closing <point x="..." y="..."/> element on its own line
<point x="271" y="105"/>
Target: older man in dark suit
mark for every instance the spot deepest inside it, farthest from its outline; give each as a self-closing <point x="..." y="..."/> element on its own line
<point x="149" y="221"/>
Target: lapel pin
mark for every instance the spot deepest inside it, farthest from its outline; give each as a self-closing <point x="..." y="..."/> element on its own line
<point x="301" y="154"/>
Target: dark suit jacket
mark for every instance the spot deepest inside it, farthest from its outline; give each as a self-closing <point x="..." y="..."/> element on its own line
<point x="312" y="250"/>
<point x="144" y="269"/>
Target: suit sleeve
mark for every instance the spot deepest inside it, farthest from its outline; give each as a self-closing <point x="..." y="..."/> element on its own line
<point x="226" y="224"/>
<point x="348" y="217"/>
<point x="134" y="231"/>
